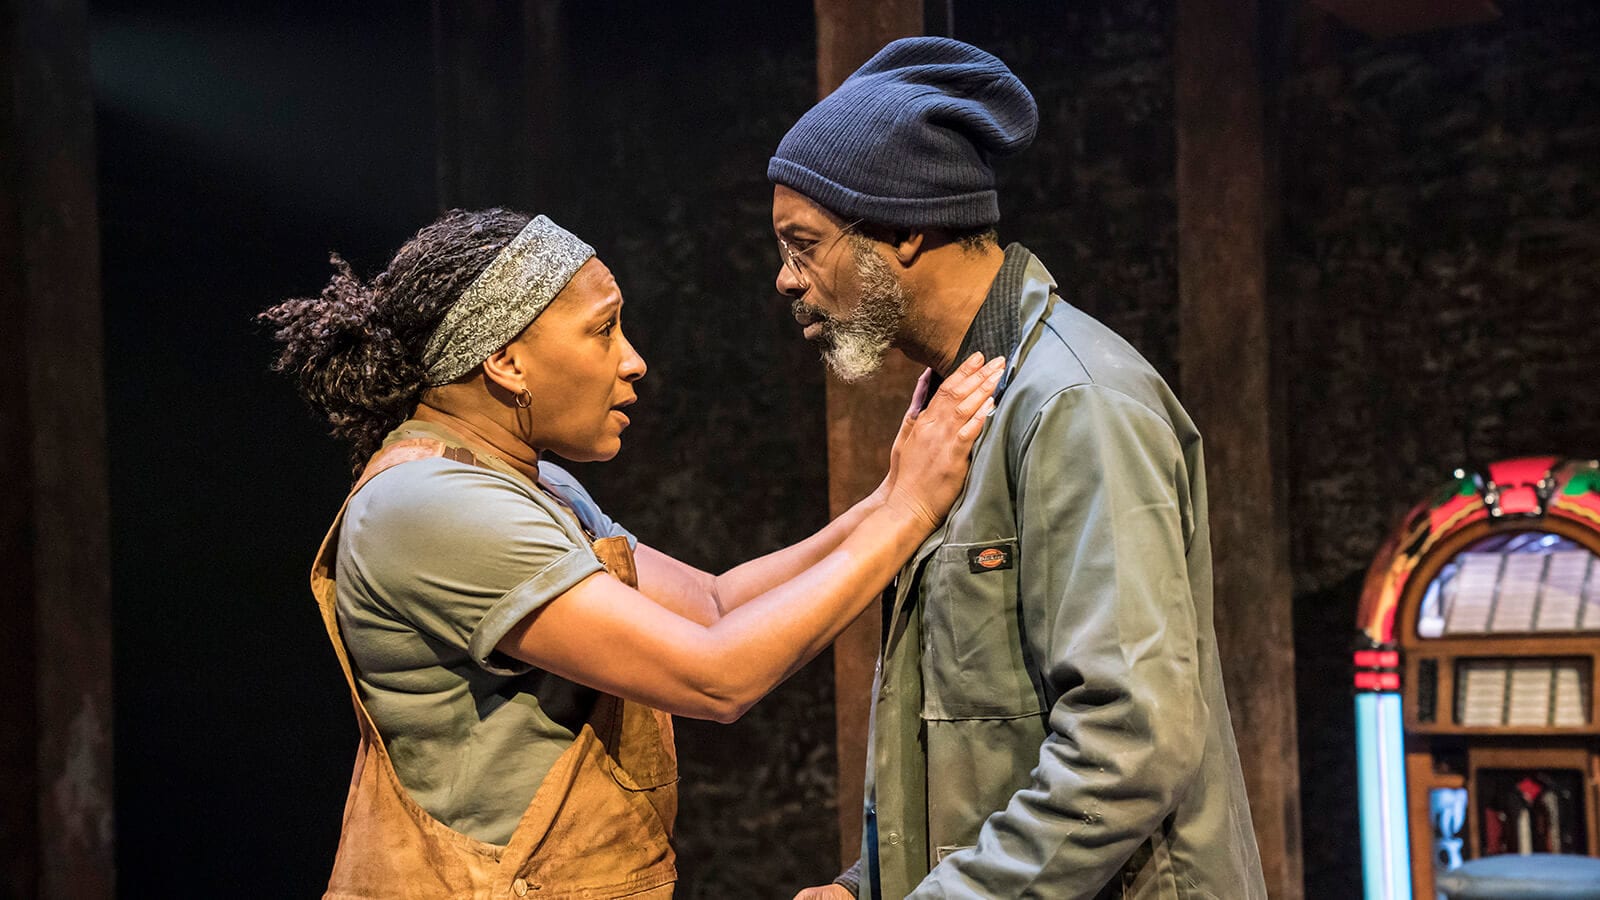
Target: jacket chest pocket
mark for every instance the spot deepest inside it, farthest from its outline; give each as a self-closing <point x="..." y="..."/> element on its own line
<point x="974" y="661"/>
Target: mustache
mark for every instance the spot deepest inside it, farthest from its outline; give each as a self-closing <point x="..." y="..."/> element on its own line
<point x="806" y="312"/>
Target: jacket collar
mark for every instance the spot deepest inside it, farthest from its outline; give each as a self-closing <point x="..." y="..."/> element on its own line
<point x="1017" y="301"/>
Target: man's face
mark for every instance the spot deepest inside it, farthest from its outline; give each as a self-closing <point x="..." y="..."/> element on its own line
<point x="848" y="298"/>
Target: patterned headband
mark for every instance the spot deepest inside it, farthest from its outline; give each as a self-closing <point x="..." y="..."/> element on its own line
<point x="516" y="287"/>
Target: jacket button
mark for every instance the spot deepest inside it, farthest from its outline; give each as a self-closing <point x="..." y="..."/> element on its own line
<point x="894" y="838"/>
<point x="521" y="887"/>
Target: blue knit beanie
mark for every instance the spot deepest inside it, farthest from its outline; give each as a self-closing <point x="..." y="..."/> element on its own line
<point x="908" y="139"/>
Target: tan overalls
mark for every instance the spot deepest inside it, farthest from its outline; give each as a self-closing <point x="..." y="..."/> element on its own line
<point x="598" y="827"/>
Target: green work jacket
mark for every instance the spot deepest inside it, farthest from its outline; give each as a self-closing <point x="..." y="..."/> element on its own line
<point x="1048" y="716"/>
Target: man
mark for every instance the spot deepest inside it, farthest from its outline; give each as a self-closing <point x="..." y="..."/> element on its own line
<point x="1048" y="715"/>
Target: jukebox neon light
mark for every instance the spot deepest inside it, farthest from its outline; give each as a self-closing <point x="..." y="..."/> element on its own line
<point x="1477" y="727"/>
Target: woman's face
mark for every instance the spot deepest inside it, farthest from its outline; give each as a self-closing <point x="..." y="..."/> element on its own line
<point x="579" y="369"/>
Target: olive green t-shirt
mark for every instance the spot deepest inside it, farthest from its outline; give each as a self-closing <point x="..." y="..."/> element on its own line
<point x="437" y="561"/>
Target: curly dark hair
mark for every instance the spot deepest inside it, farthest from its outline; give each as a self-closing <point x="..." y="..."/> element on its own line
<point x="355" y="351"/>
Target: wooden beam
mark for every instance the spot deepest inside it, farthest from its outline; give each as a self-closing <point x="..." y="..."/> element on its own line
<point x="1389" y="18"/>
<point x="56" y="827"/>
<point x="497" y="84"/>
<point x="862" y="418"/>
<point x="1226" y="372"/>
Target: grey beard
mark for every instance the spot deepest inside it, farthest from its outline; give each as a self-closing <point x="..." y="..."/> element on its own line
<point x="854" y="347"/>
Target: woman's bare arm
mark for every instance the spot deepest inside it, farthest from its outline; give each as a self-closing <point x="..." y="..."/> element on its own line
<point x="703" y="597"/>
<point x="608" y="636"/>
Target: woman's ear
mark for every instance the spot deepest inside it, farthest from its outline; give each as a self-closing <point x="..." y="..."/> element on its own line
<point x="503" y="368"/>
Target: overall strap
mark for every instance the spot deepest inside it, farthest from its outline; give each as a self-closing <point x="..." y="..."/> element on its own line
<point x="322" y="570"/>
<point x="411" y="450"/>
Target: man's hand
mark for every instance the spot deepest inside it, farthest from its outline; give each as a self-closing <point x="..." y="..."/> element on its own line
<point x="825" y="892"/>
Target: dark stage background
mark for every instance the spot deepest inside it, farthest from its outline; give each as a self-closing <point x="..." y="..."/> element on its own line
<point x="236" y="150"/>
<point x="1436" y="266"/>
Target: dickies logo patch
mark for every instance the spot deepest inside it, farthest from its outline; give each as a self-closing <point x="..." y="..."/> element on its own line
<point x="989" y="559"/>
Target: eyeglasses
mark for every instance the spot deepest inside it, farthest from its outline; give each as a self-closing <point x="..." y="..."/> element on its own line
<point x="792" y="257"/>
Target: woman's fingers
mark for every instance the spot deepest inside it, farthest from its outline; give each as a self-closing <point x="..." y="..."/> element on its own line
<point x="969" y="391"/>
<point x="964" y="384"/>
<point x="960" y="383"/>
<point x="984" y="390"/>
<point x="968" y="366"/>
<point x="937" y="448"/>
<point x="974" y="425"/>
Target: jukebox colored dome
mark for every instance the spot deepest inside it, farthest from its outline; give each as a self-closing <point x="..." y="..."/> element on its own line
<point x="1527" y="492"/>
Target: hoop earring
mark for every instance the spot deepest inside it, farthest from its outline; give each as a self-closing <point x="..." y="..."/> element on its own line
<point x="524" y="399"/>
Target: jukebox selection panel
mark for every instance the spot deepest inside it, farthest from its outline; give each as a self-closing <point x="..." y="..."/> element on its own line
<point x="1529" y="693"/>
<point x="1523" y="584"/>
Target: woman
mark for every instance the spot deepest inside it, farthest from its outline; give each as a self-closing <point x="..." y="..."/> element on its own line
<point x="513" y="658"/>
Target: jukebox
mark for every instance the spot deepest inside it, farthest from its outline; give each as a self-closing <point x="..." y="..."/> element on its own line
<point x="1477" y="727"/>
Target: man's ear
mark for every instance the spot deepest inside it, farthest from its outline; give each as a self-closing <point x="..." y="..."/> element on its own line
<point x="906" y="244"/>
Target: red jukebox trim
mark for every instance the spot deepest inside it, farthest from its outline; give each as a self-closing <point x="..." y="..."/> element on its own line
<point x="1377" y="670"/>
